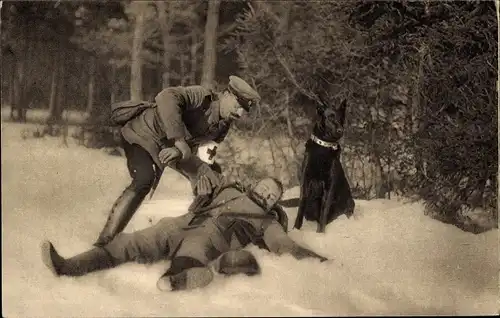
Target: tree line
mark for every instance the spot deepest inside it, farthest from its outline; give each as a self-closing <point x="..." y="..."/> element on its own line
<point x="419" y="77"/>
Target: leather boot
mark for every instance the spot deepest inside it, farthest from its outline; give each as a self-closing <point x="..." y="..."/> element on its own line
<point x="121" y="213"/>
<point x="81" y="264"/>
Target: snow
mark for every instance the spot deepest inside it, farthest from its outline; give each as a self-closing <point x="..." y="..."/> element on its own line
<point x="389" y="259"/>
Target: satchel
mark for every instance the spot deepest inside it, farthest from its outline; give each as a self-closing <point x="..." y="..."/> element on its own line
<point x="122" y="112"/>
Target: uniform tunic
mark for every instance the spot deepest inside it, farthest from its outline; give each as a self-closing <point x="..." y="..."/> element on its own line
<point x="204" y="237"/>
<point x="190" y="112"/>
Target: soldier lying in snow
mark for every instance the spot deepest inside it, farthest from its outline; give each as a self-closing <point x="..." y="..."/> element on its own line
<point x="227" y="221"/>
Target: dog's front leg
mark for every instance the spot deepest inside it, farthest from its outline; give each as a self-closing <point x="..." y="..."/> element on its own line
<point x="303" y="194"/>
<point x="327" y="203"/>
<point x="302" y="206"/>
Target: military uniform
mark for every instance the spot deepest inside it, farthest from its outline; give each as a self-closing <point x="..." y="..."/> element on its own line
<point x="191" y="113"/>
<point x="229" y="222"/>
<point x="182" y="112"/>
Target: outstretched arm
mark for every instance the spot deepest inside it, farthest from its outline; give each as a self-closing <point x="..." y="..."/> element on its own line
<point x="279" y="242"/>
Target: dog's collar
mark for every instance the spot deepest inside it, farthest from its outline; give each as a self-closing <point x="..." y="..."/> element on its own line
<point x="325" y="144"/>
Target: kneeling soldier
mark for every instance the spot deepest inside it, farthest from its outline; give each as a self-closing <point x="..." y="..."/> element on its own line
<point x="167" y="135"/>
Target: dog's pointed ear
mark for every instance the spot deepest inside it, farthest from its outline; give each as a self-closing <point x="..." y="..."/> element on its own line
<point x="342" y="110"/>
<point x="321" y="105"/>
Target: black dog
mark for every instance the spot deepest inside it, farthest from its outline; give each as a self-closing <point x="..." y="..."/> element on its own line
<point x="324" y="191"/>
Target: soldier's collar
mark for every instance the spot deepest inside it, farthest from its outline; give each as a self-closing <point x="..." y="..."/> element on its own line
<point x="326" y="144"/>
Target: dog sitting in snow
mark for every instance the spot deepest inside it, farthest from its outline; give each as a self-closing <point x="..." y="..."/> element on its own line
<point x="325" y="193"/>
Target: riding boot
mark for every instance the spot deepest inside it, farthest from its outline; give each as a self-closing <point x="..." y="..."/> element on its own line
<point x="121" y="213"/>
<point x="86" y="262"/>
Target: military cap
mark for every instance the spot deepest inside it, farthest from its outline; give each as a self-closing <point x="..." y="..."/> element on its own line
<point x="245" y="94"/>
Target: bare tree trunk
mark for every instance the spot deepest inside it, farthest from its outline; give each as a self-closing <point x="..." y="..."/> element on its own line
<point x="21" y="83"/>
<point x="362" y="161"/>
<point x="91" y="85"/>
<point x="380" y="177"/>
<point x="287" y="112"/>
<point x="28" y="68"/>
<point x="194" y="57"/>
<point x="136" y="59"/>
<point x="16" y="88"/>
<point x="389" y="159"/>
<point x="53" y="88"/>
<point x="377" y="174"/>
<point x="351" y="165"/>
<point x="273" y="157"/>
<point x="495" y="213"/>
<point x="56" y="95"/>
<point x="416" y="104"/>
<point x="61" y="94"/>
<point x="375" y="165"/>
<point x="210" y="53"/>
<point x="113" y="84"/>
<point x="62" y="106"/>
<point x="182" y="72"/>
<point x="285" y="19"/>
<point x="166" y="21"/>
<point x="12" y="85"/>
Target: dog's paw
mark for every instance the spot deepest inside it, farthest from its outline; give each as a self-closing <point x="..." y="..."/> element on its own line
<point x="354" y="215"/>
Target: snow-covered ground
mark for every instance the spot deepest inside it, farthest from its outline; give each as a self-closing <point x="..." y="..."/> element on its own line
<point x="390" y="259"/>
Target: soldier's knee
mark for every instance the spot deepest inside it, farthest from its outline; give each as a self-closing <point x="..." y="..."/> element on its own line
<point x="134" y="247"/>
<point x="122" y="248"/>
<point x="143" y="180"/>
<point x="197" y="248"/>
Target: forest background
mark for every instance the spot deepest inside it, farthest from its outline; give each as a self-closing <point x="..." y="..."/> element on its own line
<point x="420" y="78"/>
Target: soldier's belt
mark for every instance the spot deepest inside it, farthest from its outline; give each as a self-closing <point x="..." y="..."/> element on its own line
<point x="212" y="207"/>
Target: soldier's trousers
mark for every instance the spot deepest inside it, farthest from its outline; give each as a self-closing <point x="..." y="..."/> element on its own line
<point x="140" y="166"/>
<point x="169" y="238"/>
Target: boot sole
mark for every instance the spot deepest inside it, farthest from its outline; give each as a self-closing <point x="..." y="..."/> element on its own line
<point x="196" y="277"/>
<point x="240" y="270"/>
<point x="46" y="248"/>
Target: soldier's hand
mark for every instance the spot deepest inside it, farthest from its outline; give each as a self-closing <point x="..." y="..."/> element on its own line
<point x="213" y="177"/>
<point x="168" y="154"/>
<point x="183" y="148"/>
<point x="203" y="186"/>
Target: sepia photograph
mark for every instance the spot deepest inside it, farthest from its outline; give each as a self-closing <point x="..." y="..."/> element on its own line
<point x="246" y="158"/>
